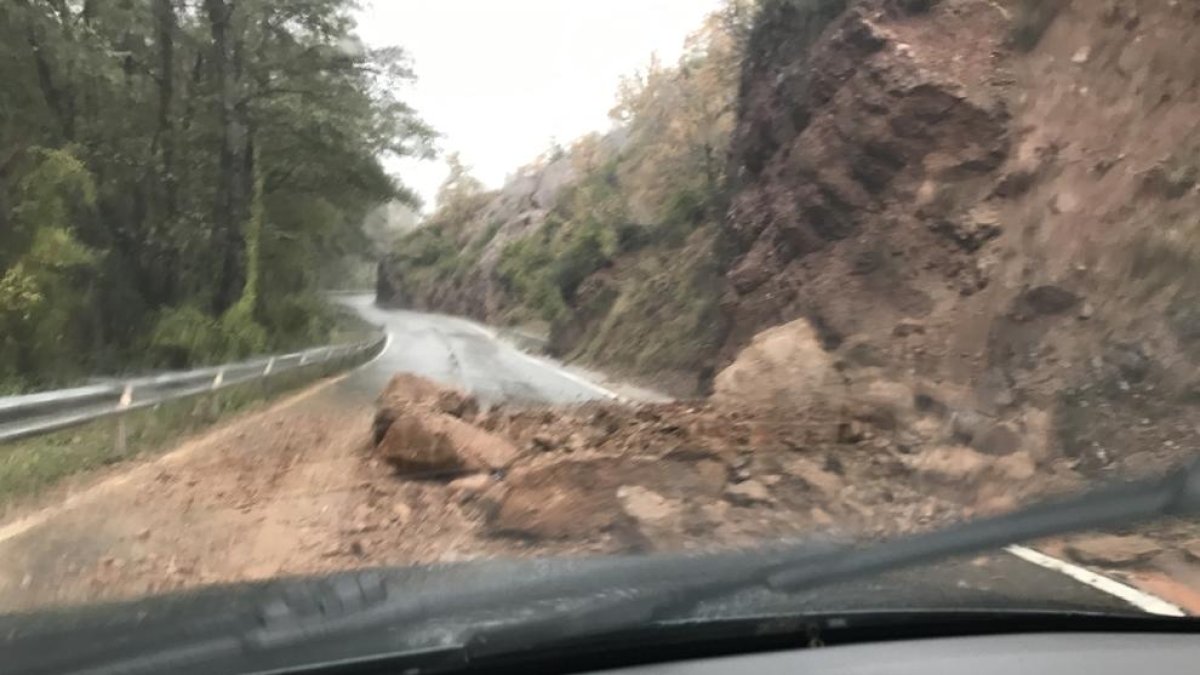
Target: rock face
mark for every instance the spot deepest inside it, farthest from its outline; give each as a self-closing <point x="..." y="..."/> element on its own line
<point x="518" y="208"/>
<point x="918" y="191"/>
<point x="912" y="201"/>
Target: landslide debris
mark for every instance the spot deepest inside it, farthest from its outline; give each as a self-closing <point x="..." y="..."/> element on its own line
<point x="421" y="429"/>
<point x="682" y="474"/>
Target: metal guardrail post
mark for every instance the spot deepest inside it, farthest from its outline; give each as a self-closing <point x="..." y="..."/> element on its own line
<point x="121" y="442"/>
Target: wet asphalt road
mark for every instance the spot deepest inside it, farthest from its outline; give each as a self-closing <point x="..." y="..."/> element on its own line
<point x="459" y="352"/>
<point x="456" y="351"/>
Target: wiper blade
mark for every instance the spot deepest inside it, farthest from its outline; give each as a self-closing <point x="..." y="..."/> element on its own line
<point x="1175" y="494"/>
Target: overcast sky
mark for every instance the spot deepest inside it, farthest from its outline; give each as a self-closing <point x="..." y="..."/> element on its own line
<point x="501" y="79"/>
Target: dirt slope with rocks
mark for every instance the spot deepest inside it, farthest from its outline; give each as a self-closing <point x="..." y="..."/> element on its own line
<point x="1008" y="232"/>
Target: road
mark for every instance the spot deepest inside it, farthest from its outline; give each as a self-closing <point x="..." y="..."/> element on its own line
<point x="290" y="491"/>
<point x="456" y="351"/>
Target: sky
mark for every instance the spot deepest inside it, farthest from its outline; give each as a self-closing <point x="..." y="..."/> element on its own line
<point x="502" y="80"/>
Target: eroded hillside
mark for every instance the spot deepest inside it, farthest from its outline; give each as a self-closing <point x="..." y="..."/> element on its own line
<point x="986" y="204"/>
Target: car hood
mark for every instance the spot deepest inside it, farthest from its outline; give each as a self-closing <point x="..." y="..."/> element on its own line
<point x="281" y="623"/>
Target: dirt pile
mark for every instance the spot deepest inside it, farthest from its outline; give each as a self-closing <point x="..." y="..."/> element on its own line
<point x="684" y="474"/>
<point x="606" y="478"/>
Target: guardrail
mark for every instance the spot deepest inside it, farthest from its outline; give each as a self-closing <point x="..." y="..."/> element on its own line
<point x="47" y="412"/>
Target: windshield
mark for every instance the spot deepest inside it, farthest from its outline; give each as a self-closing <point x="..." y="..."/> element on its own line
<point x="290" y="289"/>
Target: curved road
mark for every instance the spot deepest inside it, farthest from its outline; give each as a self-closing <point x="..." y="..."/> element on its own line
<point x="456" y="351"/>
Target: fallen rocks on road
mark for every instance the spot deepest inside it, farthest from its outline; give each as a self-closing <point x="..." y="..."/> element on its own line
<point x="567" y="499"/>
<point x="748" y="493"/>
<point x="422" y="430"/>
<point x="1114" y="550"/>
<point x="609" y="477"/>
<point x="428" y="444"/>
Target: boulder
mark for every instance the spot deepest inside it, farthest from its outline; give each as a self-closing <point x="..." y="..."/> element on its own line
<point x="950" y="464"/>
<point x="469" y="487"/>
<point x="1046" y="300"/>
<point x="565" y="500"/>
<point x="748" y="493"/>
<point x="826" y="483"/>
<point x="650" y="510"/>
<point x="407" y="393"/>
<point x="430" y="444"/>
<point x="784" y="369"/>
<point x="1017" y="467"/>
<point x="1114" y="550"/>
<point x="998" y="439"/>
<point x="406" y="390"/>
<point x="884" y="403"/>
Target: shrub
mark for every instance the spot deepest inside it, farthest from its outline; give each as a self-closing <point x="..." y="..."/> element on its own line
<point x="182" y="336"/>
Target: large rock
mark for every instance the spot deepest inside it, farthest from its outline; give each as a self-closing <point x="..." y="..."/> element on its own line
<point x="425" y="444"/>
<point x="564" y="500"/>
<point x="785" y="369"/>
<point x="406" y="390"/>
<point x="1113" y="550"/>
<point x="826" y="483"/>
<point x="950" y="464"/>
<point x="652" y="512"/>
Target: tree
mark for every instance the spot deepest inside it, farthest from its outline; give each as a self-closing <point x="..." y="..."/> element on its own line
<point x="234" y="148"/>
<point x="680" y="117"/>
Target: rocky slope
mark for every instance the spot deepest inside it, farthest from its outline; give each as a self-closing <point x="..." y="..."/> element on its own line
<point x="1009" y="229"/>
<point x="983" y="206"/>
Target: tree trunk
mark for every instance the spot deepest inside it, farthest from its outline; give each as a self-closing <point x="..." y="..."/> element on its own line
<point x="60" y="101"/>
<point x="167" y="27"/>
<point x="230" y="211"/>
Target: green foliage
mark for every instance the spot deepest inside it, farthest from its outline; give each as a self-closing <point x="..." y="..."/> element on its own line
<point x="184" y="335"/>
<point x="43" y="288"/>
<point x="662" y="314"/>
<point x="1030" y="19"/>
<point x="527" y="270"/>
<point x="187" y="335"/>
<point x="167" y="164"/>
<point x="241" y="334"/>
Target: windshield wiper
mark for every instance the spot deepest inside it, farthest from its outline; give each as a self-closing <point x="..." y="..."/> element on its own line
<point x="1176" y="493"/>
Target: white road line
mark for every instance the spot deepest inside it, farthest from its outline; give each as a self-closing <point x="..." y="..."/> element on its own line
<point x="387" y="344"/>
<point x="1140" y="599"/>
<point x="607" y="393"/>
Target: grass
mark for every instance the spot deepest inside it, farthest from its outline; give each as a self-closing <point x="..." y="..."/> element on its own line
<point x="30" y="467"/>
